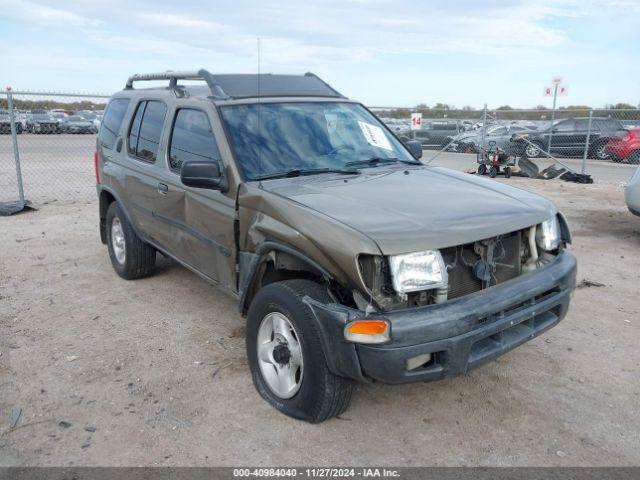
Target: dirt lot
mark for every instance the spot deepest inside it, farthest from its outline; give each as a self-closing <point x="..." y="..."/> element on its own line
<point x="136" y="360"/>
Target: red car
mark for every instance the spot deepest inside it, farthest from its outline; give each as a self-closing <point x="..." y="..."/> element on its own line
<point x="626" y="147"/>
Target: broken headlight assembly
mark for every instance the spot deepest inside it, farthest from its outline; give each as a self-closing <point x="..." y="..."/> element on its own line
<point x="548" y="234"/>
<point x="412" y="272"/>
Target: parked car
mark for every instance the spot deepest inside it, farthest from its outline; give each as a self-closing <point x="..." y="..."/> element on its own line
<point x="625" y="148"/>
<point x="496" y="135"/>
<point x="41" y="121"/>
<point x="569" y="137"/>
<point x="96" y="122"/>
<point x="435" y="133"/>
<point x="5" y="121"/>
<point x="350" y="259"/>
<point x="77" y="124"/>
<point x="632" y="193"/>
<point x="86" y="114"/>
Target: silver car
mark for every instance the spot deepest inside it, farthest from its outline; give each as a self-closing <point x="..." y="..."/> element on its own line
<point x="632" y="193"/>
<point x="498" y="135"/>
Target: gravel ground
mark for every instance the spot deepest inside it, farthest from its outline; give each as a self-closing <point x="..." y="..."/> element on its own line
<point x="157" y="367"/>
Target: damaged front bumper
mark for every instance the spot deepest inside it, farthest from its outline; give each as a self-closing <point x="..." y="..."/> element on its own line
<point x="459" y="335"/>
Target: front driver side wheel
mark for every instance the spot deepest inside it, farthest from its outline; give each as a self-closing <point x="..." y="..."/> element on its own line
<point x="286" y="356"/>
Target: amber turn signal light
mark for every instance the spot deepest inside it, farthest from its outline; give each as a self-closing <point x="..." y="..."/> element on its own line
<point x="367" y="331"/>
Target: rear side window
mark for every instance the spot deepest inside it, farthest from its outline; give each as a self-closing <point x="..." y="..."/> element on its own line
<point x="112" y="121"/>
<point x="146" y="129"/>
<point x="609" y="125"/>
<point x="192" y="139"/>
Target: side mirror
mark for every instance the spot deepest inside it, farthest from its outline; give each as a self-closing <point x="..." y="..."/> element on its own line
<point x="415" y="147"/>
<point x="203" y="175"/>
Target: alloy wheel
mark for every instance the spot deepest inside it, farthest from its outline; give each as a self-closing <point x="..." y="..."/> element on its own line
<point x="280" y="355"/>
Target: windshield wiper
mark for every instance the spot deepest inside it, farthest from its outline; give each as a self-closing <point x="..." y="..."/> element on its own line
<point x="375" y="161"/>
<point x="298" y="172"/>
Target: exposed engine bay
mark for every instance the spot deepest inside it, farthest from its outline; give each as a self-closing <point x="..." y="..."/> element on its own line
<point x="470" y="268"/>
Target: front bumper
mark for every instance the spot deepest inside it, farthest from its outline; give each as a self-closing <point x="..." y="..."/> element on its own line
<point x="460" y="334"/>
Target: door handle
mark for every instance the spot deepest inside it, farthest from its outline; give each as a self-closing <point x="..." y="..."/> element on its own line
<point x="119" y="145"/>
<point x="163" y="188"/>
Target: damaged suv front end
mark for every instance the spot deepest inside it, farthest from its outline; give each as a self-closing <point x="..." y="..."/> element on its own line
<point x="431" y="272"/>
<point x="447" y="311"/>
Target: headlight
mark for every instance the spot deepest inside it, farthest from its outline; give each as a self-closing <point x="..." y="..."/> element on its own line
<point x="548" y="234"/>
<point x="418" y="271"/>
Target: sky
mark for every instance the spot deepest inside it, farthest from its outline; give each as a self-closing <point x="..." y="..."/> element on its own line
<point x="383" y="53"/>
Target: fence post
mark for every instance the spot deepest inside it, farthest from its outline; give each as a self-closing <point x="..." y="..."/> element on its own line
<point x="553" y="117"/>
<point x="14" y="138"/>
<point x="586" y="143"/>
<point x="484" y="125"/>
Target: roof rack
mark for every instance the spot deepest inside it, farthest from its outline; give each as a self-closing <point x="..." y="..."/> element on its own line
<point x="173" y="78"/>
<point x="228" y="86"/>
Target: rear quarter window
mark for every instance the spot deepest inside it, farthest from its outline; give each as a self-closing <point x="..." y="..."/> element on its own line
<point x="112" y="121"/>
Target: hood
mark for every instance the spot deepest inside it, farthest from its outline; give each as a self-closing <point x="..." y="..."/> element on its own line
<point x="406" y="209"/>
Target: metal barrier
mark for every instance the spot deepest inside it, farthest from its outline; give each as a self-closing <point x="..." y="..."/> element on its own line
<point x="47" y="141"/>
<point x="581" y="133"/>
<point x="45" y="158"/>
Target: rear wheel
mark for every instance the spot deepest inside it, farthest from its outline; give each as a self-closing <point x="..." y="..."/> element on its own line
<point x="533" y="150"/>
<point x="507" y="172"/>
<point x="482" y="169"/>
<point x="599" y="151"/>
<point x="493" y="171"/>
<point x="285" y="353"/>
<point x="131" y="258"/>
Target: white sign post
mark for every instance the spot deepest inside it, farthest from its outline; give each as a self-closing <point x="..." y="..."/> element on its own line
<point x="416" y="121"/>
<point x="554" y="91"/>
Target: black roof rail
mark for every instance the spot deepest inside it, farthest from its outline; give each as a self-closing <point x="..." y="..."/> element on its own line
<point x="229" y="86"/>
<point x="173" y="78"/>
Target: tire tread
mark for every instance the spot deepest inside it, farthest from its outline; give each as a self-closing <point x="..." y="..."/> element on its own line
<point x="336" y="391"/>
<point x="140" y="256"/>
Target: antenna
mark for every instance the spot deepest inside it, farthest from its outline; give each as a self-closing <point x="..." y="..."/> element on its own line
<point x="259" y="106"/>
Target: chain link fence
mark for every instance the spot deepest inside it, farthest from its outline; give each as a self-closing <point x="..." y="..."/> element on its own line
<point x="554" y="135"/>
<point x="47" y="140"/>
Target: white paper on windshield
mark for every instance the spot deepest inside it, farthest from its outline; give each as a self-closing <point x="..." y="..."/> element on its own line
<point x="375" y="136"/>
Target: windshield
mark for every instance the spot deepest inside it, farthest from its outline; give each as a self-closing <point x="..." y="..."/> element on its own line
<point x="307" y="136"/>
<point x="496" y="130"/>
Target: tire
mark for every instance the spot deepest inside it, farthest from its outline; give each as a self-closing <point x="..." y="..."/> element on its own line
<point x="315" y="394"/>
<point x="532" y="151"/>
<point x="482" y="169"/>
<point x="139" y="258"/>
<point x="493" y="171"/>
<point x="634" y="157"/>
<point x="507" y="172"/>
<point x="599" y="152"/>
